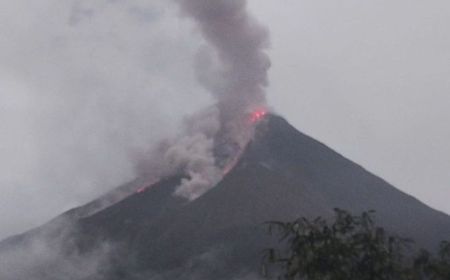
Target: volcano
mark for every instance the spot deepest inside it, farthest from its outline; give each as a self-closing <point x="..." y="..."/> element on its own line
<point x="151" y="234"/>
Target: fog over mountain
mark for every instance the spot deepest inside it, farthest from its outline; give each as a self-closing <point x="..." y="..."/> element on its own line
<point x="87" y="87"/>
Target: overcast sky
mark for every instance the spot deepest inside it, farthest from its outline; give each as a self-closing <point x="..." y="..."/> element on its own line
<point x="87" y="85"/>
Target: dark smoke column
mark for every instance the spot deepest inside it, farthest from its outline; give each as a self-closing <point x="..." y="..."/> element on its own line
<point x="238" y="43"/>
<point x="233" y="68"/>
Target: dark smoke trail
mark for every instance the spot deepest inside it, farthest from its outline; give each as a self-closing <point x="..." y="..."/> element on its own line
<point x="239" y="43"/>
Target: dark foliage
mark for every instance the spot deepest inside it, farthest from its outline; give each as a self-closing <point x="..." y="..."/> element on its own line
<point x="350" y="247"/>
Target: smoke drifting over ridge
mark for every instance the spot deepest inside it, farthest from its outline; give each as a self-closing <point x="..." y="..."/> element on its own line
<point x="233" y="68"/>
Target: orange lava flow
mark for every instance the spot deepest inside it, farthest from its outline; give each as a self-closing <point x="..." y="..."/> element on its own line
<point x="257" y="115"/>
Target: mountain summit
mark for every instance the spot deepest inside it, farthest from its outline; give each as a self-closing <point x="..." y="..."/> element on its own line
<point x="152" y="234"/>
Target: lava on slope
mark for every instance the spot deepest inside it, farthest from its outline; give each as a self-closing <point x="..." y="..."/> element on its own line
<point x="257" y="115"/>
<point x="281" y="175"/>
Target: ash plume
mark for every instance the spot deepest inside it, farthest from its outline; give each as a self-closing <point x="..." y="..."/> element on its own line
<point x="233" y="68"/>
<point x="237" y="45"/>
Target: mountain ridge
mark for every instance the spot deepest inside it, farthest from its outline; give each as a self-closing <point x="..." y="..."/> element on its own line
<point x="281" y="175"/>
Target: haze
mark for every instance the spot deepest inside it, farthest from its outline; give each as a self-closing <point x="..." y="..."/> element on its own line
<point x="86" y="87"/>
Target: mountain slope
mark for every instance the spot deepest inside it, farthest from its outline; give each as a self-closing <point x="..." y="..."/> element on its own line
<point x="282" y="174"/>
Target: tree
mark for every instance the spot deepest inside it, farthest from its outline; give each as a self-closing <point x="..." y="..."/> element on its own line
<point x="350" y="247"/>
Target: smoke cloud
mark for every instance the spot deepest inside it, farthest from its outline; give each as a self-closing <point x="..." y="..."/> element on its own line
<point x="238" y="43"/>
<point x="86" y="87"/>
<point x="233" y="68"/>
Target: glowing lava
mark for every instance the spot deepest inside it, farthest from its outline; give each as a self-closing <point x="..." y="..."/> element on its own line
<point x="146" y="186"/>
<point x="257" y="115"/>
<point x="141" y="190"/>
<point x="253" y="118"/>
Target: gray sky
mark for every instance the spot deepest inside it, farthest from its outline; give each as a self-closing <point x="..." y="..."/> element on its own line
<point x="371" y="80"/>
<point x="86" y="86"/>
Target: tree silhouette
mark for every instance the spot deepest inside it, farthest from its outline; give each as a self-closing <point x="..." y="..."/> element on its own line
<point x="349" y="247"/>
